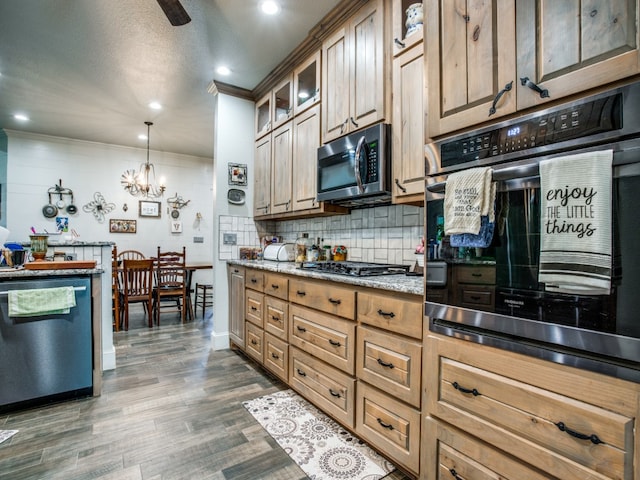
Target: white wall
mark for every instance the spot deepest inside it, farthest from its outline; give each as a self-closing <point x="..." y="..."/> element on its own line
<point x="233" y="143"/>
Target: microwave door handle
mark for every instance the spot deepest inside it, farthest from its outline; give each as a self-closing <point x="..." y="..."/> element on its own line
<point x="356" y="167"/>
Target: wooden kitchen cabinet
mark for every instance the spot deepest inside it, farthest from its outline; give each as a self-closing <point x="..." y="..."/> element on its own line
<point x="570" y="47"/>
<point x="470" y="60"/>
<point x="281" y="168"/>
<point x="565" y="422"/>
<point x="306" y="140"/>
<point x="254" y="307"/>
<point x="264" y="114"/>
<point x="408" y="126"/>
<point x="401" y="42"/>
<point x="354" y="73"/>
<point x="486" y="60"/>
<point x="474" y="286"/>
<point x="262" y="169"/>
<point x="254" y="341"/>
<point x="276" y="320"/>
<point x="276" y="356"/>
<point x="306" y="85"/>
<point x="236" y="305"/>
<point x="282" y="101"/>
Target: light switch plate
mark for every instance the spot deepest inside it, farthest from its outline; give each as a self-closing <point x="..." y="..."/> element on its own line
<point x="229" y="238"/>
<point x="198" y="239"/>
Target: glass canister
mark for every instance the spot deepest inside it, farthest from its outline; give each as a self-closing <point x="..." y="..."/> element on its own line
<point x="302" y="244"/>
<point x="39" y="245"/>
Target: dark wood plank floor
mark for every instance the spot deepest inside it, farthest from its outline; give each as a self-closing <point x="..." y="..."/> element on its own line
<point x="171" y="410"/>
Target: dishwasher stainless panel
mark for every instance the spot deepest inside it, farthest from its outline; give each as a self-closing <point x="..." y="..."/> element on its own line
<point x="49" y="357"/>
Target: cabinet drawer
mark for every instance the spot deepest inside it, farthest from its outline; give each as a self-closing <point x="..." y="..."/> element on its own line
<point x="254" y="305"/>
<point x="329" y="338"/>
<point x="389" y="425"/>
<point x="254" y="279"/>
<point x="254" y="341"/>
<point x="450" y="453"/>
<point x="391" y="363"/>
<point x="476" y="295"/>
<point x="505" y="405"/>
<point x="330" y="389"/>
<point x="276" y="317"/>
<point x="398" y="313"/>
<point x="276" y="285"/>
<point x="276" y="356"/>
<point x="485" y="275"/>
<point x="323" y="296"/>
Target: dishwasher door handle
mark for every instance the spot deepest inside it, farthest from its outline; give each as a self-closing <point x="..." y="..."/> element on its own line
<point x="75" y="289"/>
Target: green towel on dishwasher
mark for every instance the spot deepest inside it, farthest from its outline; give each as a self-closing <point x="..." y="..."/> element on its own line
<point x="41" y="301"/>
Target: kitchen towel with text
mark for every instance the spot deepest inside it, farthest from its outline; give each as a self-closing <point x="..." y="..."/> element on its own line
<point x="469" y="207"/>
<point x="575" y="229"/>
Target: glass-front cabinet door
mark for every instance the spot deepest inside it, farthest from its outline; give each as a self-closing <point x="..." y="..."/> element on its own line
<point x="282" y="105"/>
<point x="407" y="16"/>
<point x="306" y="84"/>
<point x="263" y="116"/>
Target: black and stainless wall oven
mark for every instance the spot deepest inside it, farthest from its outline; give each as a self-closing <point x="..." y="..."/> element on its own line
<point x="513" y="309"/>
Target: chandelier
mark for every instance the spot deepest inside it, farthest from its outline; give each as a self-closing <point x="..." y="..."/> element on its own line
<point x="143" y="182"/>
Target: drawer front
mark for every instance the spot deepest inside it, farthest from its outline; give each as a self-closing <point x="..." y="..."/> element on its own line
<point x="276" y="356"/>
<point x="475" y="274"/>
<point x="471" y="398"/>
<point x="324" y="296"/>
<point x="391" y="363"/>
<point x="254" y="306"/>
<point x="330" y="389"/>
<point x="437" y="295"/>
<point x="331" y="339"/>
<point x="450" y="453"/>
<point x="389" y="425"/>
<point x="398" y="313"/>
<point x="276" y="286"/>
<point x="254" y="341"/>
<point x="254" y="279"/>
<point x="476" y="295"/>
<point x="276" y="317"/>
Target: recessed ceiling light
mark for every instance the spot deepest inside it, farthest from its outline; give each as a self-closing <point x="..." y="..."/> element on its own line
<point x="155" y="105"/>
<point x="21" y="117"/>
<point x="222" y="70"/>
<point x="269" y="7"/>
<point x="142" y="136"/>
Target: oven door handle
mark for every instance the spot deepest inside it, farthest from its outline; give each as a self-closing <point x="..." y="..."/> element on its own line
<point x="501" y="175"/>
<point x="356" y="167"/>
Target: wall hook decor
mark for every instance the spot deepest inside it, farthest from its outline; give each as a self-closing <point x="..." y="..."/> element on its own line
<point x="99" y="207"/>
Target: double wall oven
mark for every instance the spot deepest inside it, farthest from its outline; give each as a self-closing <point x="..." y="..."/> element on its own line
<point x="595" y="332"/>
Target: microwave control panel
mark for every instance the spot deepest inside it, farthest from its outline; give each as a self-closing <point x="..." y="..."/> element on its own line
<point x="369" y="171"/>
<point x="596" y="116"/>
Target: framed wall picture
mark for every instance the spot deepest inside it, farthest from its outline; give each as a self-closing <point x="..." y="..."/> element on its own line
<point x="148" y="209"/>
<point x="122" y="226"/>
<point x="237" y="174"/>
<point x="176" y="226"/>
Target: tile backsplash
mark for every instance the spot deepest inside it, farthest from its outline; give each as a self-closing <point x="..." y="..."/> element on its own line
<point x="387" y="234"/>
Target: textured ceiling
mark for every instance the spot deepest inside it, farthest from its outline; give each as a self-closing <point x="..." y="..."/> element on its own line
<point x="87" y="69"/>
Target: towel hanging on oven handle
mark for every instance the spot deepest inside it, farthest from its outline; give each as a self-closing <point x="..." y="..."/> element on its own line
<point x="501" y="175"/>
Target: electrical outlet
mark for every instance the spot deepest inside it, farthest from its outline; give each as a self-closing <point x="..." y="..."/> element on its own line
<point x="229" y="238"/>
<point x="198" y="239"/>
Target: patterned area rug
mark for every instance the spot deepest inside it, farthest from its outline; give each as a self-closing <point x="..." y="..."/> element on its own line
<point x="323" y="449"/>
<point x="7" y="434"/>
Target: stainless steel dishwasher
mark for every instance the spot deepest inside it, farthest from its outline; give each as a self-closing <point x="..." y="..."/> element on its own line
<point x="46" y="358"/>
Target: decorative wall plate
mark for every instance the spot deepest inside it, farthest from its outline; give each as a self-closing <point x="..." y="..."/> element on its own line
<point x="236" y="196"/>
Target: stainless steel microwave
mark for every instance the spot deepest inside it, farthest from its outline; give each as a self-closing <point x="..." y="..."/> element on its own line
<point x="355" y="170"/>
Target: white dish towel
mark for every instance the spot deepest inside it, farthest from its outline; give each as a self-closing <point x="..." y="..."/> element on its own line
<point x="468" y="195"/>
<point x="575" y="230"/>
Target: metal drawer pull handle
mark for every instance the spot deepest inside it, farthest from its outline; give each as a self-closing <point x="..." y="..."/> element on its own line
<point x="399" y="43"/>
<point x="475" y="297"/>
<point x="385" y="364"/>
<point x="386" y="314"/>
<point x="544" y="93"/>
<point x="454" y="474"/>
<point x="301" y="373"/>
<point x="476" y="274"/>
<point x="335" y="302"/>
<point x="253" y="308"/>
<point x="388" y="426"/>
<point x="301" y="329"/>
<point x="399" y="185"/>
<point x="335" y="394"/>
<point x="277" y="319"/>
<point x="334" y="343"/>
<point x="465" y="390"/>
<point x="253" y="342"/>
<point x="301" y="293"/>
<point x="354" y="122"/>
<point x="506" y="88"/>
<point x="593" y="437"/>
<point x="253" y="280"/>
<point x="275" y="287"/>
<point x="273" y="355"/>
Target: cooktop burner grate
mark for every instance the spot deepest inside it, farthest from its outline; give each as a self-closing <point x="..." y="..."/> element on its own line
<point x="357" y="269"/>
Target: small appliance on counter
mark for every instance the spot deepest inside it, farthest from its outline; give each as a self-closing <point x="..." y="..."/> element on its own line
<point x="279" y="252"/>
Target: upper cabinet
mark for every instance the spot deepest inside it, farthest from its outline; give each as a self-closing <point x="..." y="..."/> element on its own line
<point x="490" y="59"/>
<point x="354" y="73"/>
<point x="263" y="115"/>
<point x="282" y="100"/>
<point x="571" y="46"/>
<point x="306" y="84"/>
<point x="470" y="62"/>
<point x="406" y="16"/>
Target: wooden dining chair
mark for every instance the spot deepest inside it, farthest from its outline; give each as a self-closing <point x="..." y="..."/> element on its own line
<point x="115" y="289"/>
<point x="171" y="283"/>
<point x="130" y="255"/>
<point x="138" y="286"/>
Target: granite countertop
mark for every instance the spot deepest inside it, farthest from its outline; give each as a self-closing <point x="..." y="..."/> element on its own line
<point x="22" y="273"/>
<point x="53" y="241"/>
<point x="395" y="283"/>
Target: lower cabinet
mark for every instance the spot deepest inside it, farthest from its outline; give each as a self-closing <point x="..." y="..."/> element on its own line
<point x="254" y="340"/>
<point x="389" y="426"/>
<point x="276" y="356"/>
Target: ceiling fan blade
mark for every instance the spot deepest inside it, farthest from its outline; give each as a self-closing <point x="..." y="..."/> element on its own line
<point x="174" y="11"/>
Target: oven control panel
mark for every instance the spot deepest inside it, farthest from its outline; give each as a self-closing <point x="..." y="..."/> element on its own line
<point x="597" y="116"/>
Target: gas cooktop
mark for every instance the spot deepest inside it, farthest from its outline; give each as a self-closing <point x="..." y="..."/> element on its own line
<point x="356" y="269"/>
